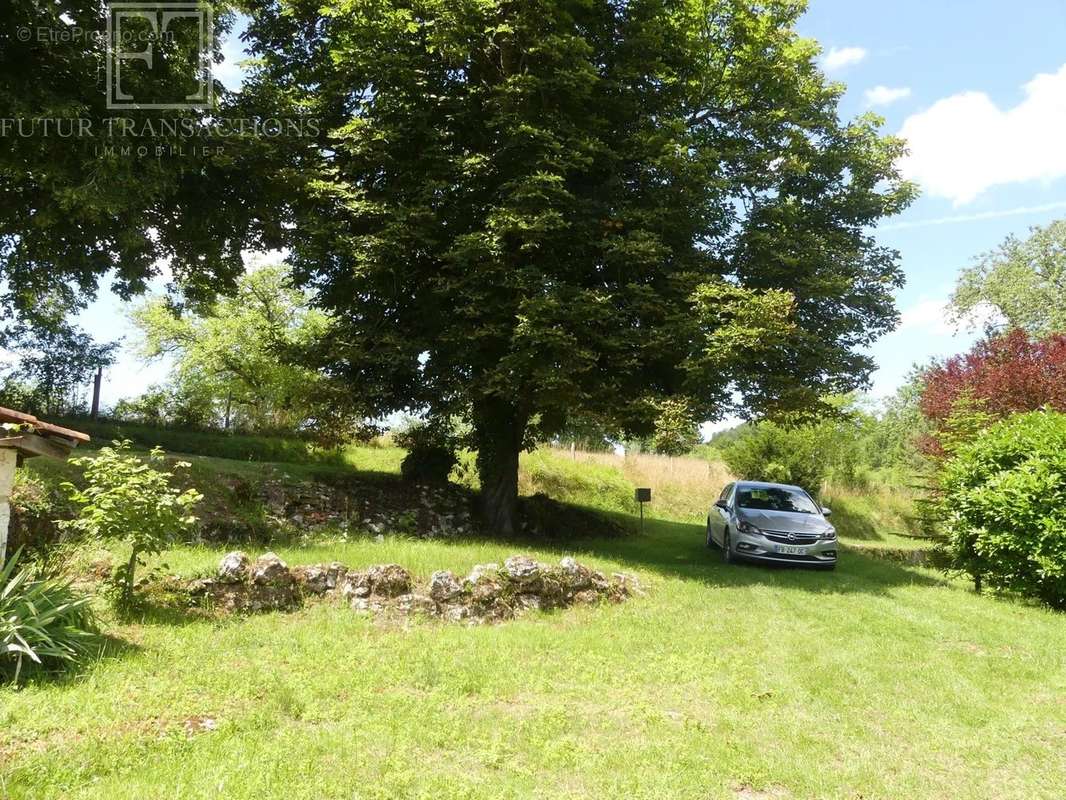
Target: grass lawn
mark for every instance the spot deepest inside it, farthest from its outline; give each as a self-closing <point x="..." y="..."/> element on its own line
<point x="876" y="681"/>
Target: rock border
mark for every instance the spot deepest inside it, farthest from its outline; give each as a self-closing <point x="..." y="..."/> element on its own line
<point x="490" y="593"/>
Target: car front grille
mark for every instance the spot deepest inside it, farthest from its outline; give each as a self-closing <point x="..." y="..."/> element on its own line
<point x="784" y="537"/>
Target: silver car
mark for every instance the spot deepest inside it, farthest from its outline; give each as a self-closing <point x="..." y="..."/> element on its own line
<point x="771" y="522"/>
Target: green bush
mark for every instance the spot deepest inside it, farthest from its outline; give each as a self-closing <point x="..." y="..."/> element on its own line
<point x="44" y="623"/>
<point x="1003" y="502"/>
<point x="431" y="451"/>
<point x="677" y="431"/>
<point x="127" y="499"/>
<point x="772" y="452"/>
<point x="35" y="505"/>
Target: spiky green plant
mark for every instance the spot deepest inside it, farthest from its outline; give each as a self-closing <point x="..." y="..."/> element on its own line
<point x="44" y="622"/>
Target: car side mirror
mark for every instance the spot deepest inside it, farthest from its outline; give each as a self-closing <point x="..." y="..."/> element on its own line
<point x="826" y="511"/>
<point x="722" y="504"/>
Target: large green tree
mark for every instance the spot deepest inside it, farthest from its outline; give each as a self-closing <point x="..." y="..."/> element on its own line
<point x="1023" y="280"/>
<point x="75" y="206"/>
<point x="528" y="210"/>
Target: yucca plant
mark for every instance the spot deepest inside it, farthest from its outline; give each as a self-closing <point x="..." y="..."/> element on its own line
<point x="44" y="623"/>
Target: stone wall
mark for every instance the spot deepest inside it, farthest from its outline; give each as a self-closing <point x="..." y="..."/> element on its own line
<point x="489" y="593"/>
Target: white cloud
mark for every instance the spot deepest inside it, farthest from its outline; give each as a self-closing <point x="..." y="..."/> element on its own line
<point x="839" y="57"/>
<point x="884" y="95"/>
<point x="928" y="316"/>
<point x="935" y="317"/>
<point x="965" y="144"/>
<point x="1017" y="211"/>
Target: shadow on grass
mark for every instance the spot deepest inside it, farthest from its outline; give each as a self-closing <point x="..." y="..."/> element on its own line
<point x="106" y="648"/>
<point x="171" y="615"/>
<point x="678" y="549"/>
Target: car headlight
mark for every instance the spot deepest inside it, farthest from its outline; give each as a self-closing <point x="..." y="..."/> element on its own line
<point x="831" y="533"/>
<point x="747" y="527"/>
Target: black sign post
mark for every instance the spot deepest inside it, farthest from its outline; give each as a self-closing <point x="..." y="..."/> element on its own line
<point x="643" y="495"/>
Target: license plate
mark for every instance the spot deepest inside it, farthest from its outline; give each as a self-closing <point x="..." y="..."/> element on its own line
<point x="791" y="551"/>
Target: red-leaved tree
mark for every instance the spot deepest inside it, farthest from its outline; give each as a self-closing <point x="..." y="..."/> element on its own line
<point x="1001" y="375"/>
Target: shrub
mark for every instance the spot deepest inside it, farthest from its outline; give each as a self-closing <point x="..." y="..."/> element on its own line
<point x="771" y="452"/>
<point x="35" y="505"/>
<point x="1003" y="502"/>
<point x="1001" y="375"/>
<point x="127" y="499"/>
<point x="431" y="452"/>
<point x="43" y="623"/>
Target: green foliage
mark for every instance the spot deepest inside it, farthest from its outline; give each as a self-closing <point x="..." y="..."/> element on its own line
<point x="431" y="451"/>
<point x="238" y="447"/>
<point x="128" y="499"/>
<point x="80" y="209"/>
<point x="232" y="357"/>
<point x="524" y="211"/>
<point x="1003" y="502"/>
<point x="677" y="430"/>
<point x="968" y="420"/>
<point x="55" y="362"/>
<point x="1024" y="280"/>
<point x="853" y="444"/>
<point x="773" y="452"/>
<point x="163" y="406"/>
<point x="893" y="439"/>
<point x="35" y="506"/>
<point x="44" y="623"/>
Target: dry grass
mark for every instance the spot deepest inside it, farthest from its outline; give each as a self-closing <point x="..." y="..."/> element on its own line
<point x="682" y="488"/>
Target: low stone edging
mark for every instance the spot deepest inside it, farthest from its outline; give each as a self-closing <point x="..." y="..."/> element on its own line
<point x="490" y="593"/>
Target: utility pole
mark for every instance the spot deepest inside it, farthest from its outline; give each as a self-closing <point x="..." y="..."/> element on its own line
<point x="96" y="391"/>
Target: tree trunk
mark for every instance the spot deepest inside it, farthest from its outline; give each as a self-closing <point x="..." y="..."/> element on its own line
<point x="499" y="430"/>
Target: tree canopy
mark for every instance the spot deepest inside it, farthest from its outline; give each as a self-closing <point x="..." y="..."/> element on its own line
<point x="1024" y="280"/>
<point x="515" y="213"/>
<point x="524" y="211"/>
<point x="53" y="363"/>
<point x="74" y="206"/>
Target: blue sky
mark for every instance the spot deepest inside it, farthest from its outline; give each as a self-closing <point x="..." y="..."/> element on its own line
<point x="983" y="145"/>
<point x="980" y="90"/>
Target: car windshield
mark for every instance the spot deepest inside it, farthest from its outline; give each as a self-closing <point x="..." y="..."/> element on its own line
<point x="775" y="498"/>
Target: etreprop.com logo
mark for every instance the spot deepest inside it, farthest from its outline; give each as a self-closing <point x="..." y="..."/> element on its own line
<point x="136" y="36"/>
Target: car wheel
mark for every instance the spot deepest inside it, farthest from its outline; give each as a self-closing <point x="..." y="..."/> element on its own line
<point x="710" y="538"/>
<point x="727" y="548"/>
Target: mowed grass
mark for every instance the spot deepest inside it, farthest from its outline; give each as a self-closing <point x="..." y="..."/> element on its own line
<point x="875" y="681"/>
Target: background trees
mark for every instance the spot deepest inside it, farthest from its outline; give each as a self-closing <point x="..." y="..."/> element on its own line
<point x="527" y="211"/>
<point x="1023" y="280"/>
<point x="54" y="363"/>
<point x="234" y="362"/>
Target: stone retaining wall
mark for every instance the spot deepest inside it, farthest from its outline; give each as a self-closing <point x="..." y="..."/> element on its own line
<point x="490" y="593"/>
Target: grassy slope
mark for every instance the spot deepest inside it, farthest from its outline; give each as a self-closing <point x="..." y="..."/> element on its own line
<point x="876" y="681"/>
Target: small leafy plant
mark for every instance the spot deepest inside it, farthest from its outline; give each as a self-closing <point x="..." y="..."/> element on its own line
<point x="128" y="499"/>
<point x="43" y="622"/>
